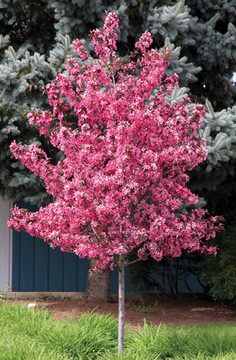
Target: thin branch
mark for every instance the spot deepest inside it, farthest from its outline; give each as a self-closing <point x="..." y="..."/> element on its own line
<point x="137" y="260"/>
<point x="145" y="194"/>
<point x="96" y="233"/>
<point x="113" y="79"/>
<point x="177" y="11"/>
<point x="116" y="262"/>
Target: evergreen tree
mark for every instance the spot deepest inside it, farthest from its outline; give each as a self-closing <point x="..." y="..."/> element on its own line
<point x="27" y="64"/>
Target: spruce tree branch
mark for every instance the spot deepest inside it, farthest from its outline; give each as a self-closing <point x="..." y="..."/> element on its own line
<point x="177" y="12"/>
<point x="180" y="7"/>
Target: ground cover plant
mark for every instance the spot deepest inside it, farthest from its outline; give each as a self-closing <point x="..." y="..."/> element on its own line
<point x="121" y="180"/>
<point x="27" y="334"/>
<point x="34" y="335"/>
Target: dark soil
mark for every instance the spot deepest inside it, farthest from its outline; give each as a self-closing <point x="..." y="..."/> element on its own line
<point x="155" y="310"/>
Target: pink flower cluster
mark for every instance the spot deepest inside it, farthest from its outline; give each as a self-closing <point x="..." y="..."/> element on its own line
<point x="144" y="42"/>
<point x="123" y="175"/>
<point x="105" y="41"/>
<point x="80" y="49"/>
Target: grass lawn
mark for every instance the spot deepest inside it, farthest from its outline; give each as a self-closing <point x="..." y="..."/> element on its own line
<point x="28" y="335"/>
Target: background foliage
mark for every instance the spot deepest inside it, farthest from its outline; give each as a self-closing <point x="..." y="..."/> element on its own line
<point x="36" y="38"/>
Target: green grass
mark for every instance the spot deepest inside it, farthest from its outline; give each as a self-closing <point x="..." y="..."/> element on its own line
<point x="35" y="335"/>
<point x="27" y="335"/>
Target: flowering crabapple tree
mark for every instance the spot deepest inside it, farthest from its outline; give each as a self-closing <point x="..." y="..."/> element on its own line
<point x="123" y="176"/>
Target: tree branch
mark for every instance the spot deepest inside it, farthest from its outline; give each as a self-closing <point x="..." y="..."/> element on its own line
<point x="95" y="233"/>
<point x="116" y="262"/>
<point x="137" y="260"/>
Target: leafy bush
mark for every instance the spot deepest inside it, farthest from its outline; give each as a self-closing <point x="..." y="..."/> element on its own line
<point x="220" y="271"/>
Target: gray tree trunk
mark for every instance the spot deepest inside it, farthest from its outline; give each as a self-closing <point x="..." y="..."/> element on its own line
<point x="121" y="305"/>
<point x="98" y="284"/>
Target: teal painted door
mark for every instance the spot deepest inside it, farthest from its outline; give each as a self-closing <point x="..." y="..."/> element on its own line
<point x="37" y="267"/>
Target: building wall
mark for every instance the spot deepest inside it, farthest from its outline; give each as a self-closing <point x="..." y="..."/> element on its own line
<point x="38" y="267"/>
<point x="5" y="247"/>
<point x="28" y="264"/>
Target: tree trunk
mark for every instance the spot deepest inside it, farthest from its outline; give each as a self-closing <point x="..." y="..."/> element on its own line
<point x="121" y="305"/>
<point x="98" y="283"/>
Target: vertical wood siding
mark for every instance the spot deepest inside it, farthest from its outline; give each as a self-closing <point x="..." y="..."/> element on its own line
<point x="37" y="267"/>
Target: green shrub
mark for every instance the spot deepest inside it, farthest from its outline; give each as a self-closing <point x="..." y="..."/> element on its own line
<point x="220" y="271"/>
